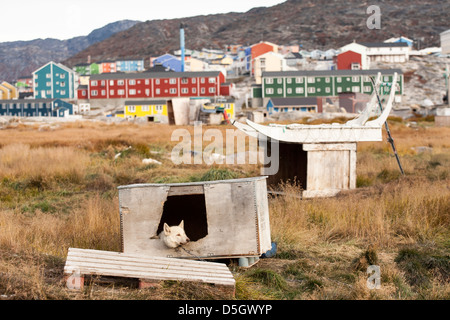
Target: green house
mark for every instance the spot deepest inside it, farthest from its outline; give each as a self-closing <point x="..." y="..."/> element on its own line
<point x="326" y="83"/>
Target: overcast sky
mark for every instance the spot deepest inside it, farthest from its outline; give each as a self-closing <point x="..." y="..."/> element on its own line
<point x="65" y="19"/>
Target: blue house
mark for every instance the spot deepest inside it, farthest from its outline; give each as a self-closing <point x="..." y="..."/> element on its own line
<point x="35" y="108"/>
<point x="129" y="65"/>
<point x="54" y="81"/>
<point x="168" y="61"/>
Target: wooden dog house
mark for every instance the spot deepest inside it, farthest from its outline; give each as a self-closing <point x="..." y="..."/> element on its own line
<point x="223" y="219"/>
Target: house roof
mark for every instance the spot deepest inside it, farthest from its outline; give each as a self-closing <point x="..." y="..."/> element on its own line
<point x="29" y="101"/>
<point x="383" y="44"/>
<point x="324" y="73"/>
<point x="155" y="75"/>
<point x="280" y="102"/>
<point x="144" y="102"/>
<point x="294" y="55"/>
<point x="56" y="64"/>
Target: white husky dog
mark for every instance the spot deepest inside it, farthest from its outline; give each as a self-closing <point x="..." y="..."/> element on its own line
<point x="174" y="236"/>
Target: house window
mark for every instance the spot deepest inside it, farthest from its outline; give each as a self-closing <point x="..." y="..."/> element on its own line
<point x="63" y="84"/>
<point x="48" y="84"/>
<point x="63" y="92"/>
<point x="145" y="108"/>
<point x="94" y="93"/>
<point x="63" y="76"/>
<point x="103" y="83"/>
<point x="339" y="89"/>
<point x="311" y="90"/>
<point x="288" y="80"/>
<point x="327" y="90"/>
<point x="132" y="82"/>
<point x="327" y="79"/>
<point x="157" y="81"/>
<point x="103" y="92"/>
<point x="279" y="80"/>
<point x="111" y="92"/>
<point x="386" y="78"/>
<point x="184" y="81"/>
<point x="48" y="75"/>
<point x="94" y="83"/>
<point x="299" y="80"/>
<point x="159" y="108"/>
<point x="311" y="80"/>
<point x="120" y="82"/>
<point x="173" y="91"/>
<point x="202" y="80"/>
<point x="299" y="90"/>
<point x="132" y="92"/>
<point x="212" y="80"/>
<point x="280" y="91"/>
<point x="355" y="79"/>
<point x="203" y="90"/>
<point x="289" y="90"/>
<point x="269" y="90"/>
<point x="147" y="81"/>
<point x="194" y="90"/>
<point x="132" y="109"/>
<point x="194" y="80"/>
<point x="111" y="82"/>
<point x="269" y="81"/>
<point x="355" y="89"/>
<point x="184" y="90"/>
<point x="158" y="91"/>
<point x="339" y="79"/>
<point x="121" y="92"/>
<point x="367" y="88"/>
<point x="212" y="90"/>
<point x="173" y="81"/>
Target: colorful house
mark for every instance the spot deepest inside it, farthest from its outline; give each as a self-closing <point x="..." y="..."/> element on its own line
<point x="260" y="49"/>
<point x="350" y="60"/>
<point x="13" y="91"/>
<point x="153" y="110"/>
<point x="83" y="69"/>
<point x="54" y="81"/>
<point x="326" y="83"/>
<point x="130" y="65"/>
<point x="313" y="105"/>
<point x="107" y="66"/>
<point x="155" y="85"/>
<point x="35" y="108"/>
<point x="168" y="61"/>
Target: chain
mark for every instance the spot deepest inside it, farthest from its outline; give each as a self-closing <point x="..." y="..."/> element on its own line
<point x="188" y="252"/>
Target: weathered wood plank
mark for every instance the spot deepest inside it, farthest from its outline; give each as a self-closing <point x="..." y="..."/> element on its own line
<point x="94" y="262"/>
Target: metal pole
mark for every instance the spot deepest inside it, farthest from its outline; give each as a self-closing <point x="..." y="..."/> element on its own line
<point x="390" y="139"/>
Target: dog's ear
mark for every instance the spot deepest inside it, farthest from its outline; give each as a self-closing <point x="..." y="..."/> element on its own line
<point x="166" y="229"/>
<point x="181" y="225"/>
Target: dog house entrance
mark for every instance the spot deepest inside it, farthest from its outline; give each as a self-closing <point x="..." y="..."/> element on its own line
<point x="188" y="207"/>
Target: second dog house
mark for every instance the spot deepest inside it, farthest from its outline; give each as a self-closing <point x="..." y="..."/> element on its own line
<point x="223" y="219"/>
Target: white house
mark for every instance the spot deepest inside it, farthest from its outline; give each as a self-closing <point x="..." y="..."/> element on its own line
<point x="445" y="42"/>
<point x="392" y="52"/>
<point x="269" y="61"/>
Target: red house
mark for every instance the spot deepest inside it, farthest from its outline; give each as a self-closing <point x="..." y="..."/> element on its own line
<point x="349" y="60"/>
<point x="156" y="85"/>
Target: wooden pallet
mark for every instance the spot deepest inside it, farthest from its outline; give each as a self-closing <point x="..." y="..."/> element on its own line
<point x="148" y="270"/>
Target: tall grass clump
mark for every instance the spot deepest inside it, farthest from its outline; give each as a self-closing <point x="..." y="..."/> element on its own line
<point x="42" y="165"/>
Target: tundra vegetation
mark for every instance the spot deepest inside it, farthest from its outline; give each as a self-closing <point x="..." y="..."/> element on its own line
<point x="58" y="189"/>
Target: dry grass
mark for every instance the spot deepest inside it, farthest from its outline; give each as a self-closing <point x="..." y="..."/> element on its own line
<point x="58" y="190"/>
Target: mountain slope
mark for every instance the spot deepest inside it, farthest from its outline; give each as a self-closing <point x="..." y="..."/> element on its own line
<point x="317" y="24"/>
<point x="20" y="58"/>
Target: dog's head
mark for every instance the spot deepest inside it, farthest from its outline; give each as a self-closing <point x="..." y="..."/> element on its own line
<point x="175" y="236"/>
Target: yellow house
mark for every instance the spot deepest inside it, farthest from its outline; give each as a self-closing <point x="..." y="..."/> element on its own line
<point x="14" y="93"/>
<point x="153" y="110"/>
<point x="5" y="93"/>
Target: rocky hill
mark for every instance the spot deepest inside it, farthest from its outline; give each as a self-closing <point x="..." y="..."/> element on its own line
<point x="315" y="24"/>
<point x="20" y="58"/>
